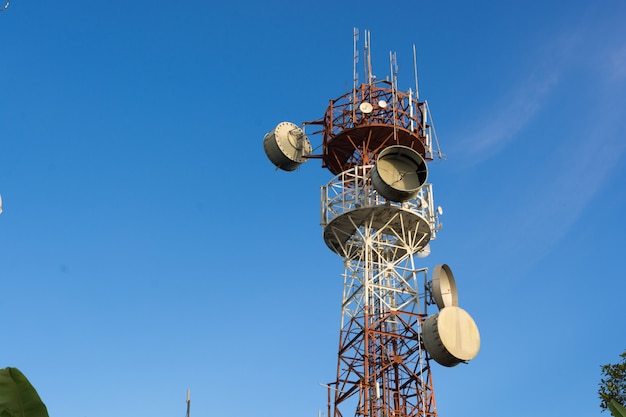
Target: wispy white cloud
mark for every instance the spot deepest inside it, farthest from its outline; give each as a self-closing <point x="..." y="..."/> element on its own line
<point x="581" y="160"/>
<point x="584" y="167"/>
<point x="504" y="125"/>
<point x="512" y="112"/>
<point x="616" y="64"/>
<point x="549" y="208"/>
<point x="592" y="153"/>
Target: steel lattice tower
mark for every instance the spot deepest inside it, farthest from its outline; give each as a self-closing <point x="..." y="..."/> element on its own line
<point x="378" y="215"/>
<point x="383" y="369"/>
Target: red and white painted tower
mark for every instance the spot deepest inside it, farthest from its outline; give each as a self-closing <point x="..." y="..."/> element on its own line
<point x="378" y="215"/>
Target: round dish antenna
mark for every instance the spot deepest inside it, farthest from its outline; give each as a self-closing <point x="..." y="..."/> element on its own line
<point x="444" y="287"/>
<point x="286" y="146"/>
<point x="382" y="104"/>
<point x="399" y="173"/>
<point x="451" y="336"/>
<point x="366" y="107"/>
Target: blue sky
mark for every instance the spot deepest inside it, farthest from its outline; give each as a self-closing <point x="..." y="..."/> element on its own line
<point x="148" y="247"/>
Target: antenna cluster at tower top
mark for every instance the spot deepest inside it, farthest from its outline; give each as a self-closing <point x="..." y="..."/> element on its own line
<point x="359" y="124"/>
<point x="369" y="75"/>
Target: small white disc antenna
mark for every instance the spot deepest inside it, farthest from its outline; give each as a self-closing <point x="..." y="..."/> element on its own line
<point x="366" y="107"/>
<point x="382" y="104"/>
<point x="439" y="210"/>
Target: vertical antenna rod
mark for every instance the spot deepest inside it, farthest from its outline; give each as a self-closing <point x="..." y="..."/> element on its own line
<point x="417" y="91"/>
<point x="393" y="67"/>
<point x="368" y="57"/>
<point x="355" y="74"/>
<point x="188" y="402"/>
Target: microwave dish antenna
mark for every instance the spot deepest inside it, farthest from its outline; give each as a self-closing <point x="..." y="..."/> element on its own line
<point x="286" y="146"/>
<point x="6" y="6"/>
<point x="451" y="336"/>
<point x="444" y="287"/>
<point x="399" y="173"/>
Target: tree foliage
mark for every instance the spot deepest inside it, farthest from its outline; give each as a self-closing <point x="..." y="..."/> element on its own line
<point x="18" y="398"/>
<point x="616" y="409"/>
<point x="613" y="383"/>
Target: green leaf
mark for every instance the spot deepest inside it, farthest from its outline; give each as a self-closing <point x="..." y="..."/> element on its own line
<point x="617" y="409"/>
<point x="18" y="398"/>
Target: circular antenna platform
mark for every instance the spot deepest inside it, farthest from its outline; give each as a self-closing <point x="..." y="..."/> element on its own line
<point x="366" y="107"/>
<point x="382" y="104"/>
<point x="408" y="229"/>
<point x="444" y="287"/>
<point x="286" y="146"/>
<point x="451" y="336"/>
<point x="399" y="173"/>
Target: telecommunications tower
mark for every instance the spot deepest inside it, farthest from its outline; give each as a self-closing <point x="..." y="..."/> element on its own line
<point x="378" y="215"/>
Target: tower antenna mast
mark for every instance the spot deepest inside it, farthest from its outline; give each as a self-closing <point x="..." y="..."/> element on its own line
<point x="188" y="403"/>
<point x="417" y="90"/>
<point x="378" y="215"/>
<point x="368" y="58"/>
<point x="355" y="72"/>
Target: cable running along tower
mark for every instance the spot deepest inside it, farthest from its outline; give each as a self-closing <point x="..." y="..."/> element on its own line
<point x="378" y="215"/>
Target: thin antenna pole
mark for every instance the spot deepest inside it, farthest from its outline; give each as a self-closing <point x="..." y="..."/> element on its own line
<point x="434" y="132"/>
<point x="393" y="67"/>
<point x="417" y="91"/>
<point x="365" y="58"/>
<point x="426" y="130"/>
<point x="188" y="402"/>
<point x="355" y="74"/>
<point x="391" y="70"/>
<point x="368" y="48"/>
<point x="411" y="111"/>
